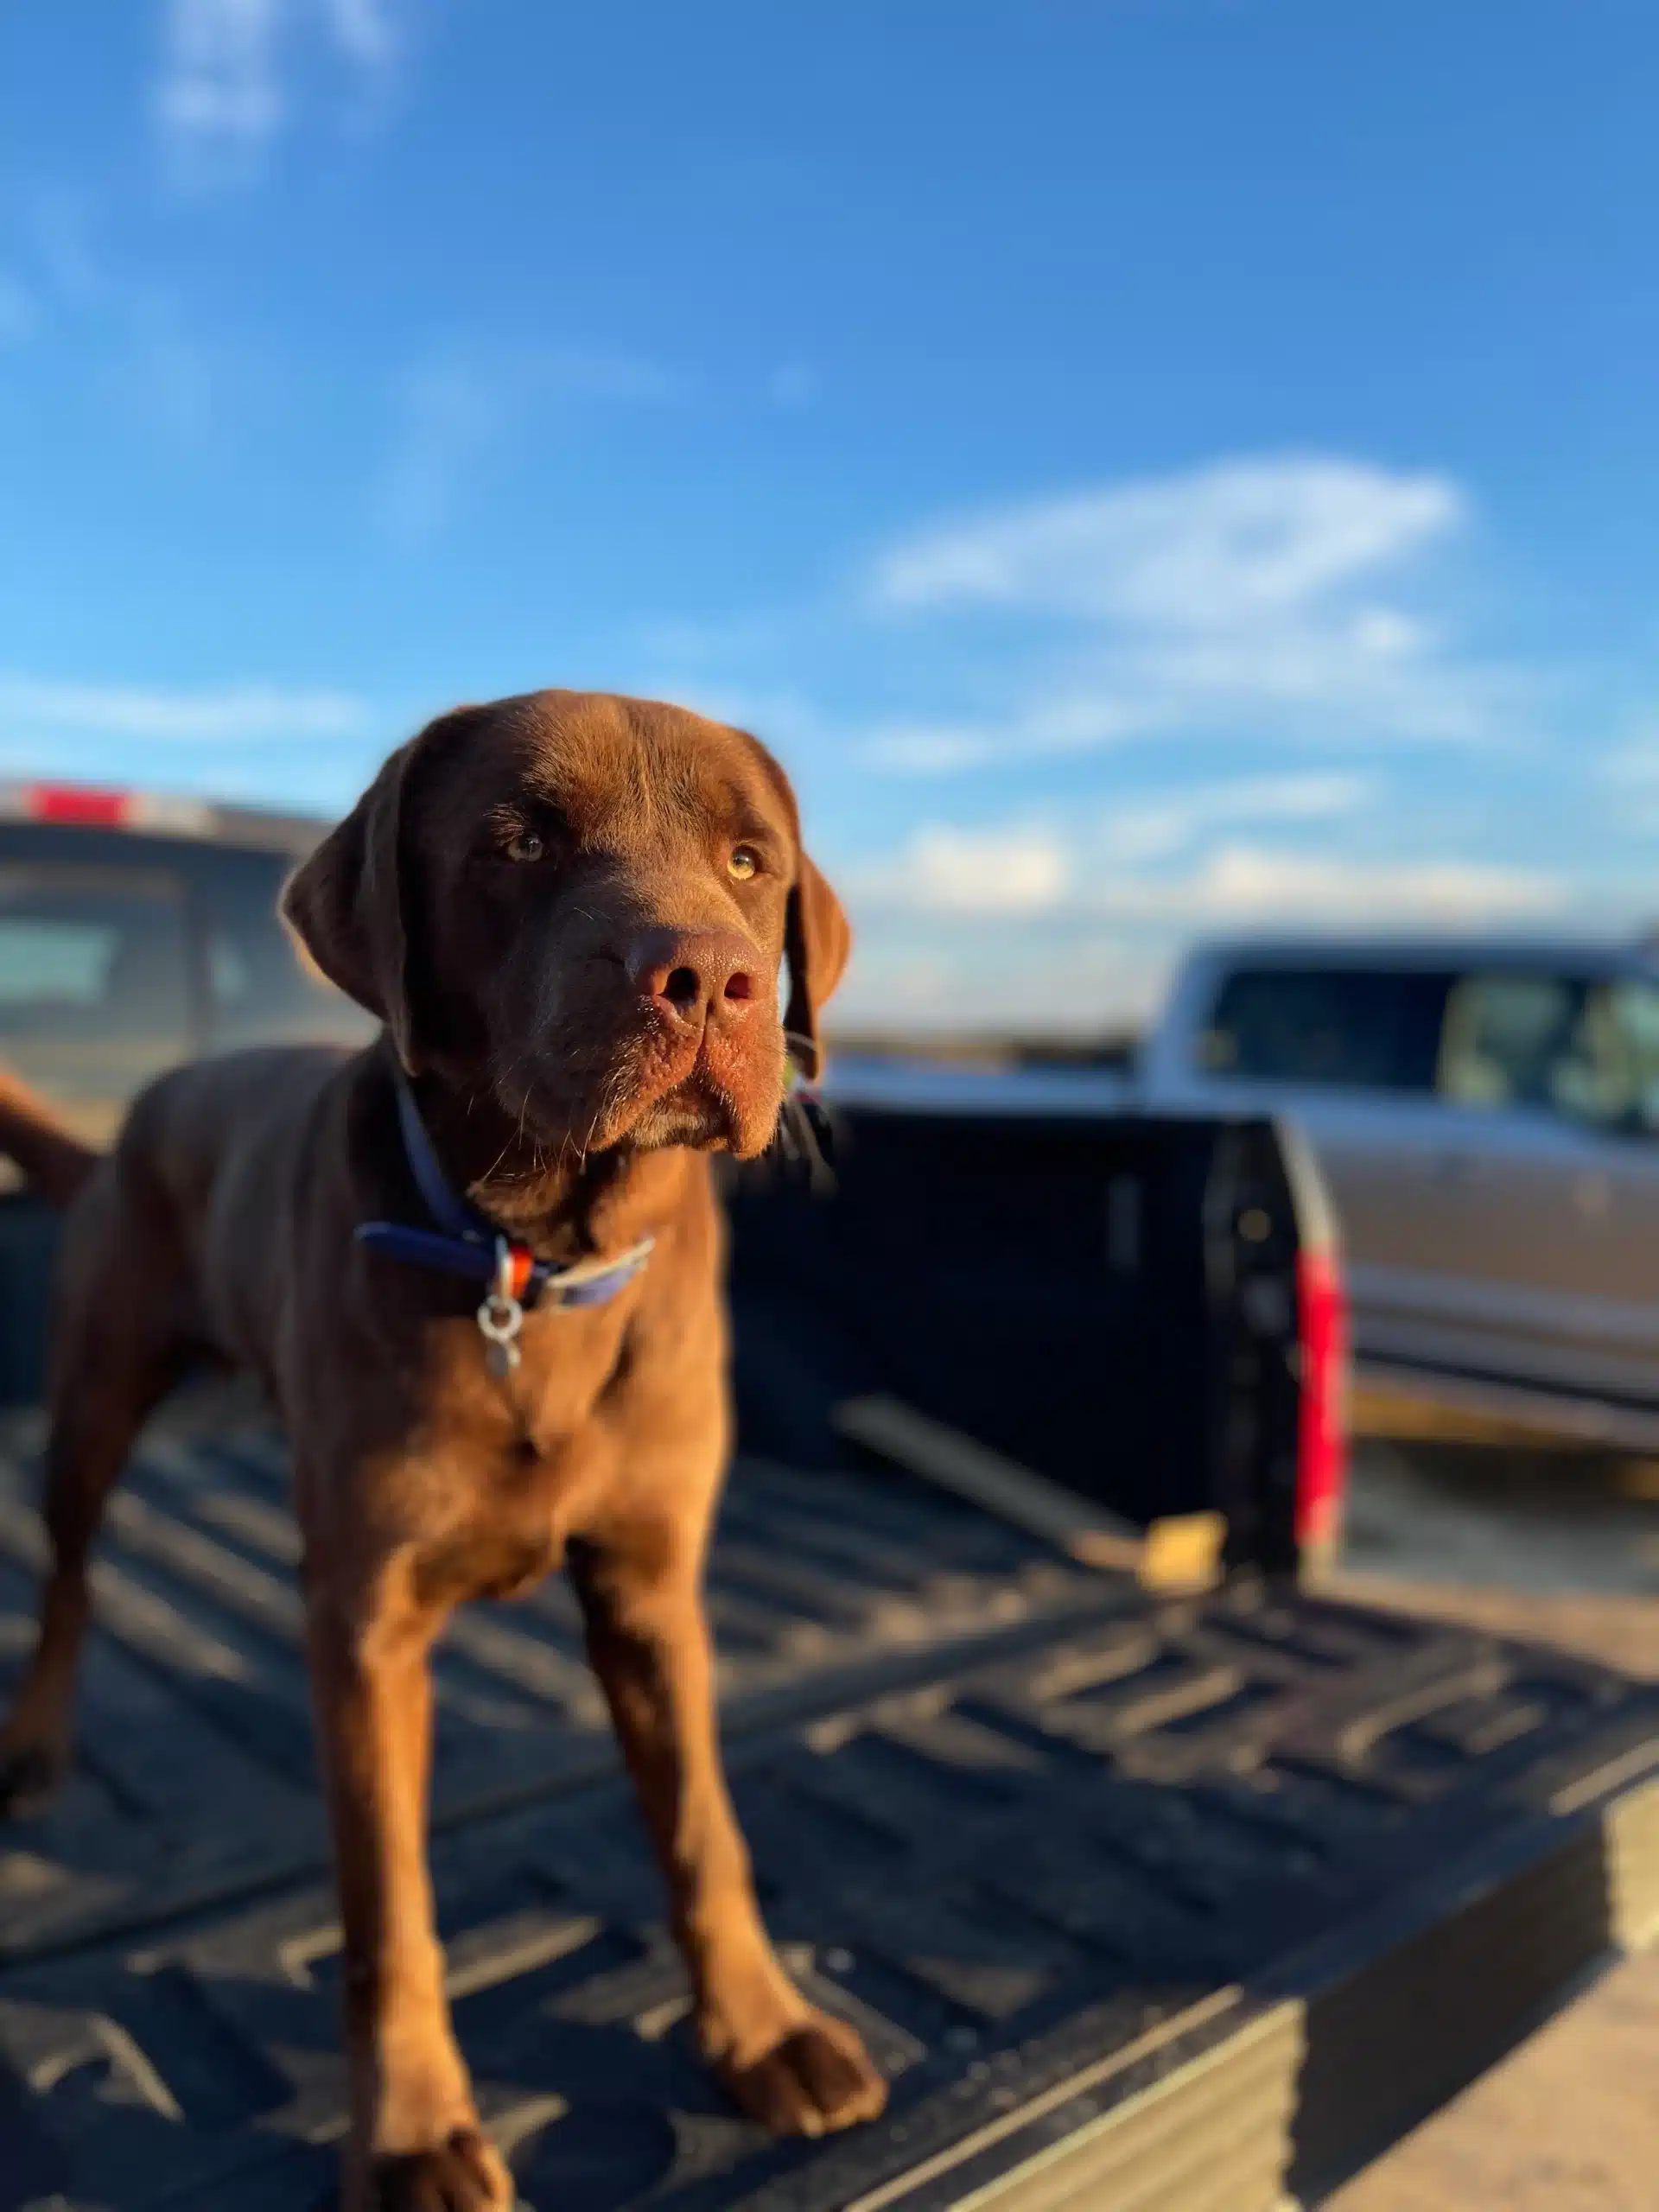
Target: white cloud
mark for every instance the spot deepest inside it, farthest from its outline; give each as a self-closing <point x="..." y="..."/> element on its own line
<point x="1156" y="824"/>
<point x="1246" y="885"/>
<point x="948" y="870"/>
<point x="454" y="411"/>
<point x="1034" y="868"/>
<point x="366" y="31"/>
<point x="1255" y="597"/>
<point x="220" y="87"/>
<point x="1211" y="550"/>
<point x="1090" y="984"/>
<point x="225" y="91"/>
<point x="1120" y="868"/>
<point x="34" y="707"/>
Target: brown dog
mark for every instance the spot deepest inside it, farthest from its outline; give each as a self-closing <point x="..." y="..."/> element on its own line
<point x="570" y="912"/>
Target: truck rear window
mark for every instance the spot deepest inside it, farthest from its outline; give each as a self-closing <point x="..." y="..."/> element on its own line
<point x="95" y="990"/>
<point x="122" y="954"/>
<point x="1357" y="1028"/>
<point x="257" y="993"/>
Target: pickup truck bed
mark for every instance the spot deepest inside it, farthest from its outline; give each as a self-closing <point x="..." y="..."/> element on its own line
<point x="1184" y="1904"/>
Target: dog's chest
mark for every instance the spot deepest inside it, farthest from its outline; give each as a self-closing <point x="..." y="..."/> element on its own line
<point x="514" y="1462"/>
<point x="545" y="1393"/>
<point x="499" y="1559"/>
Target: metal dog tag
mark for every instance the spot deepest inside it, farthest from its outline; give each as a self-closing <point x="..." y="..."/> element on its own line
<point x="501" y="1359"/>
<point x="500" y="1319"/>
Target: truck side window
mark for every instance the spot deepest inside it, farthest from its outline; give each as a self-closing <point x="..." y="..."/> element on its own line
<point x="1630" y="1014"/>
<point x="1586" y="1051"/>
<point x="1363" y="1029"/>
<point x="1518" y="1040"/>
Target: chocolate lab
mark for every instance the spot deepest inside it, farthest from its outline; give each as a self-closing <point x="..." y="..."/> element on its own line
<point x="477" y="1267"/>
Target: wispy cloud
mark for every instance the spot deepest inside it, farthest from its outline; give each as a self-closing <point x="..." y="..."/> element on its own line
<point x="1247" y="884"/>
<point x="1631" y="771"/>
<point x="1176" y="856"/>
<point x="944" y="870"/>
<point x="34" y="707"/>
<point x="457" y="408"/>
<point x="990" y="874"/>
<point x="794" y="384"/>
<point x="218" y="90"/>
<point x="973" y="982"/>
<point x="1635" y="763"/>
<point x="1254" y="596"/>
<point x="368" y="32"/>
<point x="225" y="92"/>
<point x="1209" y="550"/>
<point x="136" y="337"/>
<point x="20" y="312"/>
<point x="942" y="946"/>
<point x="1157" y="824"/>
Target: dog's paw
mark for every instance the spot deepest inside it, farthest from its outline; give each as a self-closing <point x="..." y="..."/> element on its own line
<point x="30" y="1774"/>
<point x="817" y="2077"/>
<point x="464" y="2174"/>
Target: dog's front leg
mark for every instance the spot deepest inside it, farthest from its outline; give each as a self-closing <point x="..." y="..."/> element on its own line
<point x="414" y="2140"/>
<point x="797" y="2069"/>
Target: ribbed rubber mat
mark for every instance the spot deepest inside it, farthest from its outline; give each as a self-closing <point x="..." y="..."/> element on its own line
<point x="196" y="1776"/>
<point x="1089" y="1900"/>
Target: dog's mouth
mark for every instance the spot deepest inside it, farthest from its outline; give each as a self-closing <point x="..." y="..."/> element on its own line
<point x="705" y="1091"/>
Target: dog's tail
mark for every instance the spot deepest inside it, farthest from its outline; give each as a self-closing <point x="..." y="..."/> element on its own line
<point x="53" y="1160"/>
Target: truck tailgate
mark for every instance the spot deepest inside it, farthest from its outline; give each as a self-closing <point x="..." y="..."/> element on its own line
<point x="1187" y="1905"/>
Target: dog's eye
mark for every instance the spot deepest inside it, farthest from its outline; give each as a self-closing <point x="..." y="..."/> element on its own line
<point x="744" y="862"/>
<point x="526" y="846"/>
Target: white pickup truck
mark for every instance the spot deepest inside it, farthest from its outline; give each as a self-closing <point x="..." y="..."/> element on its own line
<point x="1487" y="1117"/>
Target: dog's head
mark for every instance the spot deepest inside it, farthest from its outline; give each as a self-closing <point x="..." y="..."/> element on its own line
<point x="578" y="905"/>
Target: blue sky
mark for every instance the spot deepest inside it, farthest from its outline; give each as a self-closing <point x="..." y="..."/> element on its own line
<point x="1149" y="466"/>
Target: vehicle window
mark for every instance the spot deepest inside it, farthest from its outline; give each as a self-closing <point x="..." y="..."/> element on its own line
<point x="1632" y="1021"/>
<point x="1610" y="1073"/>
<point x="94" y="976"/>
<point x="1572" y="1045"/>
<point x="1509" y="1039"/>
<point x="1356" y="1028"/>
<point x="259" y="991"/>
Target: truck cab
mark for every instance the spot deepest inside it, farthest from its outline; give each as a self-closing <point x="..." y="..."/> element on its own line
<point x="137" y="930"/>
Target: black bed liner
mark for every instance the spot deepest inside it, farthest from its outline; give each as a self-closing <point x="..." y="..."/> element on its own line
<point x="1187" y="1906"/>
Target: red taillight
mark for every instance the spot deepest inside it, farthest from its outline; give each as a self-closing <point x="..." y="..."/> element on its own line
<point x="70" y="803"/>
<point x="1322" y="1446"/>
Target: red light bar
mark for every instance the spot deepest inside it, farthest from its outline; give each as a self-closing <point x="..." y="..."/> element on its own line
<point x="80" y="806"/>
<point x="73" y="803"/>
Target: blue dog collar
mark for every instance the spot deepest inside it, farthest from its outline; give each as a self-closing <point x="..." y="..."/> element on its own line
<point x="466" y="1244"/>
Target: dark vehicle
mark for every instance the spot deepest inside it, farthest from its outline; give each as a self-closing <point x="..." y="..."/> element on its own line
<point x="137" y="930"/>
<point x="1152" y="1888"/>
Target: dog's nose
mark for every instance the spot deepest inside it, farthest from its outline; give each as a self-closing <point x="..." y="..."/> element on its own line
<point x="696" y="975"/>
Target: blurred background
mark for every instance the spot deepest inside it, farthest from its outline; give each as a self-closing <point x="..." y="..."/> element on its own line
<point x="1149" y="468"/>
<point x="1172" y="478"/>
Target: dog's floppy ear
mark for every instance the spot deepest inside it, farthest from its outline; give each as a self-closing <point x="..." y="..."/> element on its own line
<point x="818" y="938"/>
<point x="346" y="902"/>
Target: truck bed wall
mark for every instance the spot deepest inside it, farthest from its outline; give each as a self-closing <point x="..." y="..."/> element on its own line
<point x="1074" y="1293"/>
